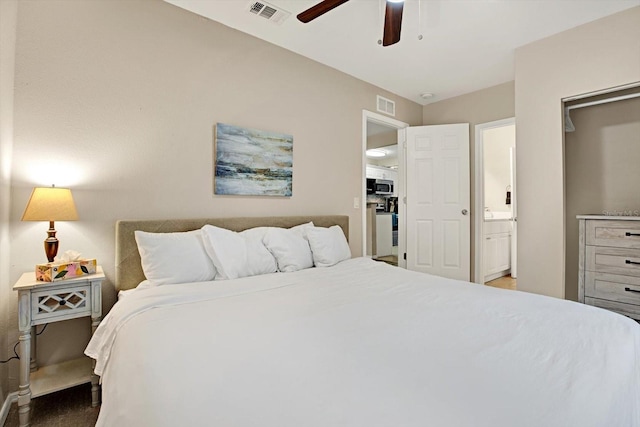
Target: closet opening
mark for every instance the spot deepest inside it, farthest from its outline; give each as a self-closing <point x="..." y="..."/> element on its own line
<point x="601" y="147"/>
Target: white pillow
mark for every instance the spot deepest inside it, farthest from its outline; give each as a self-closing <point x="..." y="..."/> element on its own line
<point x="169" y="258"/>
<point x="289" y="247"/>
<point x="302" y="228"/>
<point x="328" y="245"/>
<point x="238" y="254"/>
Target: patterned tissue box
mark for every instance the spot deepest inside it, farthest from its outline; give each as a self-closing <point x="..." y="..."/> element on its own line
<point x="54" y="272"/>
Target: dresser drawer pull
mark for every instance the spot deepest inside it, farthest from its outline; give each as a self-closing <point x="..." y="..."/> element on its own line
<point x="632" y="290"/>
<point x="628" y="261"/>
<point x="629" y="234"/>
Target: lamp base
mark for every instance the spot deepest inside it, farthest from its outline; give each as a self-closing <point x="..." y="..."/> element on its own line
<point x="51" y="243"/>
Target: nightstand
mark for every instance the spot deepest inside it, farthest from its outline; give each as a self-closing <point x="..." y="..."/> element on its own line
<point x="47" y="302"/>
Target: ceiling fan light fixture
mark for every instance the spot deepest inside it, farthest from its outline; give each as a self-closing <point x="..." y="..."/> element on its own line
<point x="395" y="1"/>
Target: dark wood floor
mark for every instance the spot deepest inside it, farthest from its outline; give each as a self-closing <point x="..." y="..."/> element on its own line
<point x="66" y="408"/>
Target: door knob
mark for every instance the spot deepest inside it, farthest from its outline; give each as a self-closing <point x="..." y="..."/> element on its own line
<point x="464" y="211"/>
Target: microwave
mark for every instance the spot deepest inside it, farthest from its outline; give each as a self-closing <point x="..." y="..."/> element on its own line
<point x="379" y="186"/>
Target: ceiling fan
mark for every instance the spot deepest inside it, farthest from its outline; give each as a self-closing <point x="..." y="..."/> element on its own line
<point x="392" y="17"/>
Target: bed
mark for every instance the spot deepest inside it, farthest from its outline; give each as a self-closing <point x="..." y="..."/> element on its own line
<point x="358" y="343"/>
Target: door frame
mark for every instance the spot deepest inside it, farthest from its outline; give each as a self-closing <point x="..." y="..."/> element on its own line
<point x="369" y="116"/>
<point x="478" y="273"/>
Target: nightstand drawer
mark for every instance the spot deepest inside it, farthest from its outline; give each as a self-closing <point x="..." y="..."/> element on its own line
<point x="613" y="287"/>
<point x="60" y="303"/>
<point x="629" y="310"/>
<point x="613" y="260"/>
<point x="619" y="234"/>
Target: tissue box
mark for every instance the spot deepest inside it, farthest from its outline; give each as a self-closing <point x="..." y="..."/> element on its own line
<point x="54" y="272"/>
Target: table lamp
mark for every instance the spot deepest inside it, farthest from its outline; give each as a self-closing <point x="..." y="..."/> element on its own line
<point x="50" y="204"/>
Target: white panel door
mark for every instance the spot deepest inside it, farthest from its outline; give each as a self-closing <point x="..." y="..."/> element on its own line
<point x="437" y="207"/>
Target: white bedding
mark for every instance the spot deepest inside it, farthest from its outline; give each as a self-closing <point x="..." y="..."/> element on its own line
<point x="363" y="344"/>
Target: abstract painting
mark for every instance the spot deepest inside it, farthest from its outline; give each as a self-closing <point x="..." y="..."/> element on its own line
<point x="253" y="162"/>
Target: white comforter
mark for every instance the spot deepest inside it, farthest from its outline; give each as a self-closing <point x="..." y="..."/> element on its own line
<point x="363" y="344"/>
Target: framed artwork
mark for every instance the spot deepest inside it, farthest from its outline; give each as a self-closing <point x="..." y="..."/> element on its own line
<point x="252" y="162"/>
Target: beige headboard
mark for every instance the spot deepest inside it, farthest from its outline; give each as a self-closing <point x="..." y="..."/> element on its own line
<point x="128" y="269"/>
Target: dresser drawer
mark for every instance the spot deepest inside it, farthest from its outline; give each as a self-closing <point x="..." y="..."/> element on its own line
<point x="612" y="287"/>
<point x="619" y="234"/>
<point x="497" y="227"/>
<point x="613" y="260"/>
<point x="629" y="310"/>
<point x="60" y="303"/>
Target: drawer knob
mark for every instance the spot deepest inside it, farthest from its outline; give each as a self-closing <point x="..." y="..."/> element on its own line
<point x="63" y="302"/>
<point x="629" y="234"/>
<point x="632" y="290"/>
<point x="628" y="261"/>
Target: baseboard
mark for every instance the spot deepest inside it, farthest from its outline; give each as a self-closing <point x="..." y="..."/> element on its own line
<point x="497" y="275"/>
<point x="6" y="405"/>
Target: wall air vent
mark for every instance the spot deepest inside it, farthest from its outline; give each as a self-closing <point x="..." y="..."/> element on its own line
<point x="268" y="11"/>
<point x="386" y="106"/>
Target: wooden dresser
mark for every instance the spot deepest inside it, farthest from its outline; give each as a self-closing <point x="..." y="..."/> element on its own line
<point x="609" y="263"/>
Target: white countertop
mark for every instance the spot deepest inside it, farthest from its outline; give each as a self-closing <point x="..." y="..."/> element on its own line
<point x="498" y="216"/>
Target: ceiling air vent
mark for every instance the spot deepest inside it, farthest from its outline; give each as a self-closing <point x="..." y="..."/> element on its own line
<point x="269" y="11"/>
<point x="386" y="106"/>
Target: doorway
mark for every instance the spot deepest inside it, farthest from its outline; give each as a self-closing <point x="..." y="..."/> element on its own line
<point x="439" y="179"/>
<point x="383" y="163"/>
<point x="495" y="205"/>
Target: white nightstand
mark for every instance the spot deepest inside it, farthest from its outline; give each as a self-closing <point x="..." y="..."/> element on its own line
<point x="47" y="302"/>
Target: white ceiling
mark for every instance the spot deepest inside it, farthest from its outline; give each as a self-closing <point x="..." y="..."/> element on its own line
<point x="467" y="45"/>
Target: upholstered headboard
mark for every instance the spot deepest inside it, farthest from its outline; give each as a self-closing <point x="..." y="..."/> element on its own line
<point x="128" y="269"/>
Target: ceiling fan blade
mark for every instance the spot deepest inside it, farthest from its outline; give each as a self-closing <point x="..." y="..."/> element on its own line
<point x="319" y="9"/>
<point x="392" y="23"/>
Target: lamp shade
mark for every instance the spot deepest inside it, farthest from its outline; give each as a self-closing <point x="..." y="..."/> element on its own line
<point x="50" y="204"/>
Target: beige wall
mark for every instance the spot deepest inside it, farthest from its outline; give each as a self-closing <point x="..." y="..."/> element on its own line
<point x="602" y="54"/>
<point x="8" y="20"/>
<point x="118" y="99"/>
<point x="483" y="106"/>
<point x="602" y="170"/>
<point x="382" y="139"/>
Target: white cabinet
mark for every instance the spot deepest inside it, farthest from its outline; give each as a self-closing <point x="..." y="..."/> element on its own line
<point x="497" y="249"/>
<point x="384" y="235"/>
<point x="372" y="172"/>
<point x="381" y="172"/>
